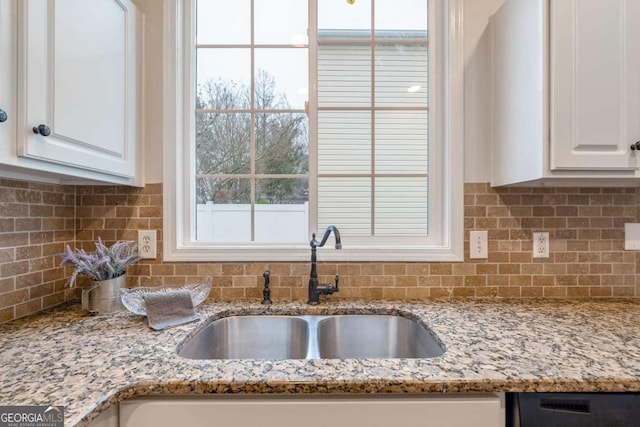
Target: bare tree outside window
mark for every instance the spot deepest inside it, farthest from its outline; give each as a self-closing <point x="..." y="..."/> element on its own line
<point x="223" y="144"/>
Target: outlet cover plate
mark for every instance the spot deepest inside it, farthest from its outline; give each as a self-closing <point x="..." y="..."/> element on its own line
<point x="147" y="244"/>
<point x="541" y="245"/>
<point x="631" y="237"/>
<point x="478" y="242"/>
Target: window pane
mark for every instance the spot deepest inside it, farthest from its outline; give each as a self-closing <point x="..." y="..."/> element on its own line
<point x="228" y="67"/>
<point x="223" y="210"/>
<point x="222" y="95"/>
<point x="401" y="206"/>
<point x="340" y="15"/>
<point x="281" y="22"/>
<point x="223" y="223"/>
<point x="223" y="22"/>
<point x="282" y="210"/>
<point x="222" y="143"/>
<point x="282" y="143"/>
<point x="223" y="191"/>
<point x="344" y="142"/>
<point x="281" y="78"/>
<point x="344" y="75"/>
<point x="402" y="142"/>
<point x="225" y="216"/>
<point x="282" y="223"/>
<point x="345" y="203"/>
<point x="282" y="191"/>
<point x="403" y="15"/>
<point x="401" y="75"/>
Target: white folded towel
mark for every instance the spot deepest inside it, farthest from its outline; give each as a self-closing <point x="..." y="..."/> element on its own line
<point x="169" y="308"/>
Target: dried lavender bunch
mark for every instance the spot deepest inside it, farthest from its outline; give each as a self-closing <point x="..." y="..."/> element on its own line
<point x="104" y="264"/>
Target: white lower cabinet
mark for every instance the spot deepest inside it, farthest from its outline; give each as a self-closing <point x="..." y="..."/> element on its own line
<point x="486" y="410"/>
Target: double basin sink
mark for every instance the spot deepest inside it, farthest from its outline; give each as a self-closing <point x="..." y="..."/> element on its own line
<point x="312" y="337"/>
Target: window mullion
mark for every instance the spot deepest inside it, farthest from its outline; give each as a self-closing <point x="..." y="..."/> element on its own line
<point x="313" y="115"/>
<point x="252" y="130"/>
<point x="373" y="118"/>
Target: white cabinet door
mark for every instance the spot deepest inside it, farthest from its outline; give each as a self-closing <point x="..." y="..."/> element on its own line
<point x="7" y="76"/>
<point x="431" y="411"/>
<point x="78" y="59"/>
<point x="595" y="84"/>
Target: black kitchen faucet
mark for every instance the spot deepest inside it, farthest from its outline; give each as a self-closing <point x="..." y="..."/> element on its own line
<point x="315" y="288"/>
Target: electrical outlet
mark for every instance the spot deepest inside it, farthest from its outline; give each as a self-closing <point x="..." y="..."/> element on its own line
<point x="147" y="244"/>
<point x="478" y="242"/>
<point x="541" y="245"/>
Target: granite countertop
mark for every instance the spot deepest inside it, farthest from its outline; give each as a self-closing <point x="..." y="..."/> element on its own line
<point x="62" y="357"/>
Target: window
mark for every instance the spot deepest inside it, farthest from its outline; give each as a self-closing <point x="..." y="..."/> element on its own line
<point x="283" y="117"/>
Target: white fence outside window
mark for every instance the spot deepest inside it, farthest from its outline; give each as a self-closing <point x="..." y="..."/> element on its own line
<point x="278" y="223"/>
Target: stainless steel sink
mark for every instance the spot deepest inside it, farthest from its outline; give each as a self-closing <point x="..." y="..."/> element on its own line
<point x="250" y="337"/>
<point x="312" y="337"/>
<point x="373" y="336"/>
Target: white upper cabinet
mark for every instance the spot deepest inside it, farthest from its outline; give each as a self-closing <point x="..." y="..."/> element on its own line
<point x="595" y="83"/>
<point x="78" y="79"/>
<point x="566" y="92"/>
<point x="7" y="74"/>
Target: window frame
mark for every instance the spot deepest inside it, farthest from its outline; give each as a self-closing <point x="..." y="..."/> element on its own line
<point x="445" y="167"/>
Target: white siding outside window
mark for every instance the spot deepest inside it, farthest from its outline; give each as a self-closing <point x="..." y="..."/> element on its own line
<point x="373" y="133"/>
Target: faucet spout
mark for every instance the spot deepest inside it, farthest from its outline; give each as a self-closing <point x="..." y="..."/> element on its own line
<point x="327" y="233"/>
<point x="315" y="288"/>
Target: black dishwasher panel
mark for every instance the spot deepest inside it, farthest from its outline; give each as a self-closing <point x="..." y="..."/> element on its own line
<point x="573" y="410"/>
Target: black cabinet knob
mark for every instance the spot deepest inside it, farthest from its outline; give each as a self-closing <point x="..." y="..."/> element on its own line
<point x="635" y="146"/>
<point x="42" y="130"/>
<point x="3" y="116"/>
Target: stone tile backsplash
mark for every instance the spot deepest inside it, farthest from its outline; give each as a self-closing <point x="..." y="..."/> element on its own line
<point x="36" y="221"/>
<point x="586" y="228"/>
